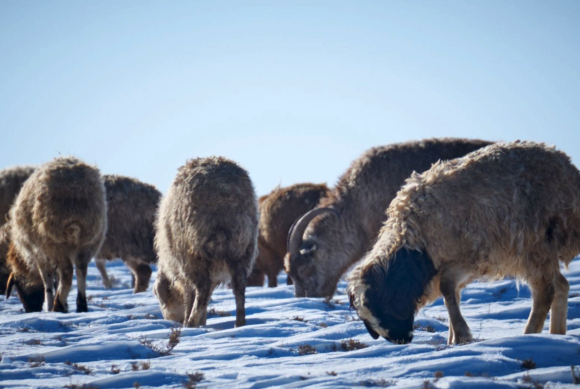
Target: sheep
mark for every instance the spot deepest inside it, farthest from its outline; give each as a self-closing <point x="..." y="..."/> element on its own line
<point x="206" y="234"/>
<point x="508" y="209"/>
<point x="320" y="250"/>
<point x="131" y="210"/>
<point x="278" y="211"/>
<point x="11" y="180"/>
<point x="58" y="219"/>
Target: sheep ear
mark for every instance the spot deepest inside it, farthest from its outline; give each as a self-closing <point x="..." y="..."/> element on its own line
<point x="160" y="289"/>
<point x="372" y="332"/>
<point x="9" y="285"/>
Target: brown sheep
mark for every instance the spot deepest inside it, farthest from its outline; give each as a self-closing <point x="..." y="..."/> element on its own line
<point x="11" y="180"/>
<point x="206" y="234"/>
<point x="508" y="209"/>
<point x="58" y="220"/>
<point x="131" y="210"/>
<point x="319" y="255"/>
<point x="278" y="211"/>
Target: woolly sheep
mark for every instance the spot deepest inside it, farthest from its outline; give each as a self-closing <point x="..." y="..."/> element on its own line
<point x="206" y="234"/>
<point x="131" y="210"/>
<point x="508" y="209"/>
<point x="58" y="220"/>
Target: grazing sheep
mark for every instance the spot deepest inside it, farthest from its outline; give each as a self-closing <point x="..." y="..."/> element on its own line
<point x="59" y="220"/>
<point x="11" y="180"/>
<point x="131" y="209"/>
<point x="508" y="209"/>
<point x="15" y="272"/>
<point x="318" y="255"/>
<point x="278" y="211"/>
<point x="206" y="234"/>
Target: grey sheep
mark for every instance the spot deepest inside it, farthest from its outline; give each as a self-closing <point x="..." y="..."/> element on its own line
<point x="321" y="248"/>
<point x="58" y="223"/>
<point x="508" y="209"/>
<point x="206" y="234"/>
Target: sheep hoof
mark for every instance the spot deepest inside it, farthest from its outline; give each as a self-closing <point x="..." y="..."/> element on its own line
<point x="59" y="307"/>
<point x="82" y="304"/>
<point x="240" y="323"/>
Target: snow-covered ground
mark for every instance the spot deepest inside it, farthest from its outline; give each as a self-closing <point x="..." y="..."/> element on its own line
<point x="287" y="342"/>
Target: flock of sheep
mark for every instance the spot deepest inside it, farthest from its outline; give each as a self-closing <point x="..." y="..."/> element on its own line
<point x="422" y="219"/>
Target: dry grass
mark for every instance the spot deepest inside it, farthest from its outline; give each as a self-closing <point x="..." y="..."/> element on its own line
<point x="427" y="328"/>
<point x="215" y="312"/>
<point x="528" y="364"/>
<point x="306" y="349"/>
<point x="163" y="349"/>
<point x="80" y="368"/>
<point x="36" y="361"/>
<point x="531" y="382"/>
<point x="193" y="379"/>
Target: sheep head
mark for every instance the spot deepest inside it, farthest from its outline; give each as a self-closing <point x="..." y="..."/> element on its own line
<point x="31" y="296"/>
<point x="387" y="294"/>
<point x="307" y="259"/>
<point x="170" y="299"/>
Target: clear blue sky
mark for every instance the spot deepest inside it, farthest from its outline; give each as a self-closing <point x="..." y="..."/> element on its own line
<point x="292" y="90"/>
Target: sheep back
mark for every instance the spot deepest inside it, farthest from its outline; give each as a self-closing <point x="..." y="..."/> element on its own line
<point x="11" y="181"/>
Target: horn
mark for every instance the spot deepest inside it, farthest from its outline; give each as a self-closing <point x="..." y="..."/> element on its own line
<point x="295" y="235"/>
<point x="9" y="285"/>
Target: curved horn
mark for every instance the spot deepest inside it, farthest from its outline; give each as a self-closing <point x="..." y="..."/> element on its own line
<point x="295" y="235"/>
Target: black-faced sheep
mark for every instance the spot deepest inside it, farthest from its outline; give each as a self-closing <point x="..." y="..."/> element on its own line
<point x="508" y="209"/>
<point x="11" y="180"/>
<point x="131" y="210"/>
<point x="206" y="234"/>
<point x="278" y="211"/>
<point x="322" y="248"/>
<point x="58" y="220"/>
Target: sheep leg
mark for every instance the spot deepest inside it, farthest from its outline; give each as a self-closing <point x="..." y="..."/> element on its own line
<point x="202" y="296"/>
<point x="256" y="277"/>
<point x="81" y="270"/>
<point x="65" y="278"/>
<point x="47" y="276"/>
<point x="458" y="329"/>
<point x="142" y="274"/>
<point x="559" y="308"/>
<point x="102" y="266"/>
<point x="542" y="298"/>
<point x="239" y="289"/>
<point x="272" y="278"/>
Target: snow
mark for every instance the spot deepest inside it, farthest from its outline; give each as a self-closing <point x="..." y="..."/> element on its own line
<point x="287" y="342"/>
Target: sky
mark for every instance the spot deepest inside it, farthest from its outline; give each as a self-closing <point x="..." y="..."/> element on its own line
<point x="291" y="90"/>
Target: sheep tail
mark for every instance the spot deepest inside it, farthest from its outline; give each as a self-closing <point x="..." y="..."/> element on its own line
<point x="72" y="233"/>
